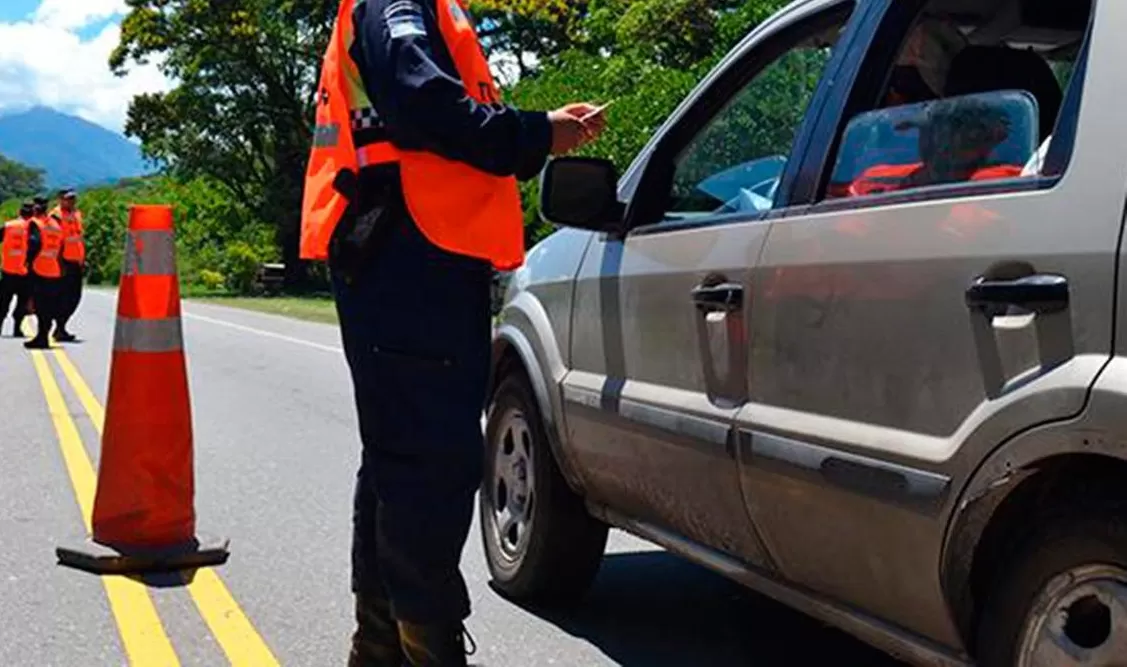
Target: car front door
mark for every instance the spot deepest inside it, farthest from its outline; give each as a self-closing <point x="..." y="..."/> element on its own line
<point x="661" y="321"/>
<point x="898" y="338"/>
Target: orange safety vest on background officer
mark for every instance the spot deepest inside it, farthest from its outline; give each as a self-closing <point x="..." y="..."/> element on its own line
<point x="457" y="207"/>
<point x="46" y="263"/>
<point x="17" y="238"/>
<point x="74" y="244"/>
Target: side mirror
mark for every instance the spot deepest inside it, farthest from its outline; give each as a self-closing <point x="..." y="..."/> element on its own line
<point x="581" y="193"/>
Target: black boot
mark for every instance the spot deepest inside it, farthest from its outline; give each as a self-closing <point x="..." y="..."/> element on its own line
<point x="442" y="645"/>
<point x="376" y="640"/>
<point x="38" y="343"/>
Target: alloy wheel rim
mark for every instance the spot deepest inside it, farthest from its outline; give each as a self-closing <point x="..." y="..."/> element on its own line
<point x="513" y="492"/>
<point x="1079" y="618"/>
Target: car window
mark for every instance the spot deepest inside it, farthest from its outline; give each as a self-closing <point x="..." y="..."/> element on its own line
<point x="736" y="162"/>
<point x="940" y="142"/>
<point x="948" y="56"/>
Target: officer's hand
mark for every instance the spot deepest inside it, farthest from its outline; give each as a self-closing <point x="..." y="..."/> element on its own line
<point x="569" y="132"/>
<point x="593" y="118"/>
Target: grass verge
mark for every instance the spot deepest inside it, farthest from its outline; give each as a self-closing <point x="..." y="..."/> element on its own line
<point x="312" y="309"/>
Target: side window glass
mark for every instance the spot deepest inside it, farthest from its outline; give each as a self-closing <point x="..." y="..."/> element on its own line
<point x="736" y="162"/>
<point x="955" y="140"/>
<point x="989" y="71"/>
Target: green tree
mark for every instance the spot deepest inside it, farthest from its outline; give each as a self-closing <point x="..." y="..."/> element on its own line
<point x="241" y="111"/>
<point x="17" y="180"/>
<point x="523" y="32"/>
<point x="238" y="123"/>
<point x="676" y="33"/>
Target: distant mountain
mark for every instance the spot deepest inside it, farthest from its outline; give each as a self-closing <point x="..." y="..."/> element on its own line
<point x="72" y="151"/>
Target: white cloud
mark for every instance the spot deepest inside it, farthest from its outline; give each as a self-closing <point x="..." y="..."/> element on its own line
<point x="45" y="60"/>
<point x="74" y="14"/>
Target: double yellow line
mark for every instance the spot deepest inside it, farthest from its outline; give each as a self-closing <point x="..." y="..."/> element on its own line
<point x="143" y="635"/>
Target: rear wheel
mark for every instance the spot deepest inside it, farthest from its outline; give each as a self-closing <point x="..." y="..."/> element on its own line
<point x="541" y="543"/>
<point x="1064" y="601"/>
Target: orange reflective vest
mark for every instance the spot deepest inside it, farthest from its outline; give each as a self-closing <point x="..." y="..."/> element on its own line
<point x="16" y="237"/>
<point x="457" y="207"/>
<point x="46" y="264"/>
<point x="892" y="177"/>
<point x="74" y="245"/>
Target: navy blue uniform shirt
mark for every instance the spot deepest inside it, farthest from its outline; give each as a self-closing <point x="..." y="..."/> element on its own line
<point x="34" y="242"/>
<point x="410" y="77"/>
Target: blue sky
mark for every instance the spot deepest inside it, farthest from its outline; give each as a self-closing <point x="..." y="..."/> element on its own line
<point x="72" y="75"/>
<point x="13" y="10"/>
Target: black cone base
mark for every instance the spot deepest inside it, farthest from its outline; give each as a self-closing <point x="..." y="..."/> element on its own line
<point x="99" y="558"/>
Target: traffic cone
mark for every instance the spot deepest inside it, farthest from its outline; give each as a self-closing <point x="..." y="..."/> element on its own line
<point x="144" y="517"/>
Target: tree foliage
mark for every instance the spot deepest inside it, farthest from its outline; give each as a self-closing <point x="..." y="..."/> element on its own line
<point x="236" y="127"/>
<point x="18" y="180"/>
<point x="241" y="112"/>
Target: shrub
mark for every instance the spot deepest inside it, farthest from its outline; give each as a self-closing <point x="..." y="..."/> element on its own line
<point x="241" y="263"/>
<point x="212" y="281"/>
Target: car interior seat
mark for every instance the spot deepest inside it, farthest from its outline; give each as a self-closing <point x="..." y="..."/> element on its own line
<point x="983" y="69"/>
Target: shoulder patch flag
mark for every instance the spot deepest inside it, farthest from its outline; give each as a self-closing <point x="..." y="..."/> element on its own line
<point x="405" y="19"/>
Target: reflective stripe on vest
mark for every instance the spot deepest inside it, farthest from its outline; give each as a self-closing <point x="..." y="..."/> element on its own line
<point x="459" y="208"/>
<point x="46" y="264"/>
<point x="16" y="239"/>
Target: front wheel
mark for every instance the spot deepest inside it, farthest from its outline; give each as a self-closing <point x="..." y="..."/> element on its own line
<point x="541" y="543"/>
<point x="1065" y="600"/>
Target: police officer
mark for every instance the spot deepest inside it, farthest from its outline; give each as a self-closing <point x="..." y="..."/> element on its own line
<point x="45" y="248"/>
<point x="73" y="261"/>
<point x="15" y="237"/>
<point x="412" y="197"/>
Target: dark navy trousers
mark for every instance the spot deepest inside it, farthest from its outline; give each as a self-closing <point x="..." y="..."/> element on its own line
<point x="416" y="329"/>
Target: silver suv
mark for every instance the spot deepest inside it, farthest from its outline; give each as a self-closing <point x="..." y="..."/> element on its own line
<point x="846" y="332"/>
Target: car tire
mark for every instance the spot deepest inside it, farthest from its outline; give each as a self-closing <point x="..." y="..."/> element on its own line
<point x="1067" y="586"/>
<point x="557" y="555"/>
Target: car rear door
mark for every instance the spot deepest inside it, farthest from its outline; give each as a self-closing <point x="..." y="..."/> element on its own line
<point x="898" y="338"/>
<point x="660" y="330"/>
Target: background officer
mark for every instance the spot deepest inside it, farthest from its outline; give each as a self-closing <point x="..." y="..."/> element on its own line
<point x="412" y="196"/>
<point x="73" y="261"/>
<point x="45" y="249"/>
<point x="15" y="236"/>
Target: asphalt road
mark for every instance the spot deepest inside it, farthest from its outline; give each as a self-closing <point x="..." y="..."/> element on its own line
<point x="276" y="449"/>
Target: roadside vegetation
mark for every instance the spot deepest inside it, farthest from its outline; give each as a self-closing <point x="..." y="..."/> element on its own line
<point x="235" y="132"/>
<point x="16" y="178"/>
<point x="319" y="308"/>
